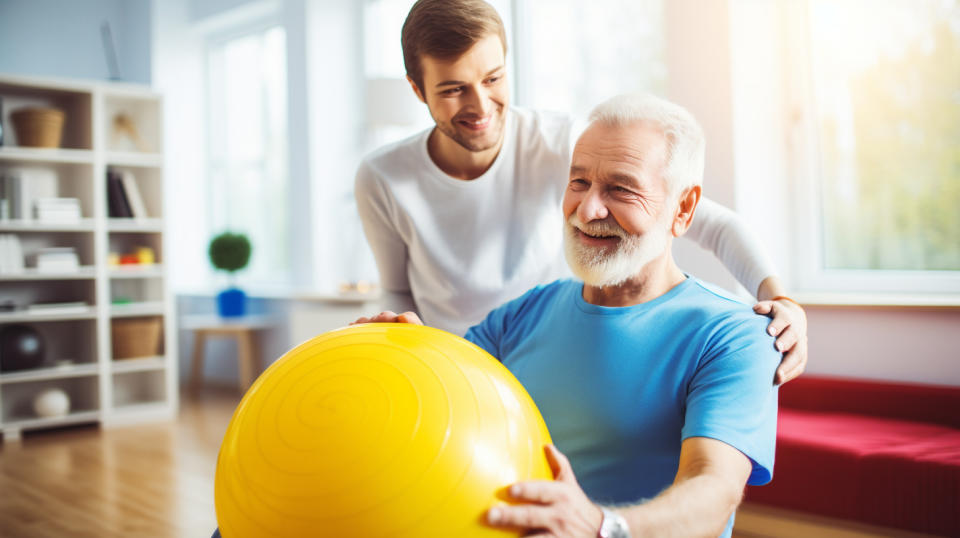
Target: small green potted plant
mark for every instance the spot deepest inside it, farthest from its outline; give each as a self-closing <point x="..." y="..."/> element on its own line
<point x="230" y="252"/>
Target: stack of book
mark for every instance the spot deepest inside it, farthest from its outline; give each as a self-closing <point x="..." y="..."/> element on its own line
<point x="11" y="255"/>
<point x="73" y="307"/>
<point x="123" y="196"/>
<point x="57" y="260"/>
<point x="21" y="187"/>
<point x="57" y="210"/>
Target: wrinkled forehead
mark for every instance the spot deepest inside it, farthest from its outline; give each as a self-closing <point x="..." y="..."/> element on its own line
<point x="638" y="146"/>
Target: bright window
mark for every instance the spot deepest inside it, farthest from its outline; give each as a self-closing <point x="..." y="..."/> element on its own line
<point x="572" y="55"/>
<point x="884" y="105"/>
<point x="247" y="128"/>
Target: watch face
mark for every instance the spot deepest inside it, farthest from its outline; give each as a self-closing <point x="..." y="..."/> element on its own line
<point x="613" y="525"/>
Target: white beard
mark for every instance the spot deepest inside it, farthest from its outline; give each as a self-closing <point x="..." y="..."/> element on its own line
<point x="598" y="266"/>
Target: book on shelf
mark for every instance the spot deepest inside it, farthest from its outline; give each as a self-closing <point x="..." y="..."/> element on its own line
<point x="117" y="202"/>
<point x="72" y="307"/>
<point x="134" y="199"/>
<point x="10" y="194"/>
<point x="61" y="210"/>
<point x="57" y="260"/>
<point x="11" y="255"/>
<point x="5" y="195"/>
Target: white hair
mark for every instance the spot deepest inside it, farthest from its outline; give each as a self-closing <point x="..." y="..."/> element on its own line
<point x="684" y="136"/>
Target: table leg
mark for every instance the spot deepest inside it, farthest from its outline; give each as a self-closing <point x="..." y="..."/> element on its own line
<point x="196" y="374"/>
<point x="246" y="354"/>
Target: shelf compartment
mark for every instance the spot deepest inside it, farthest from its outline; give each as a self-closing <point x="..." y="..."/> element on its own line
<point x="128" y="243"/>
<point x="149" y="183"/>
<point x="50" y="179"/>
<point x="55" y="372"/>
<point x="63" y="340"/>
<point x="75" y="103"/>
<point x="136" y="291"/>
<point x="136" y="338"/>
<point x="18" y="400"/>
<point x="23" y="294"/>
<point x="31" y="244"/>
<point x="139" y="388"/>
<point x="143" y="114"/>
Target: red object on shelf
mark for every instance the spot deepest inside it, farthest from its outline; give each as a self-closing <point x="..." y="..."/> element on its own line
<point x="876" y="452"/>
<point x="129" y="259"/>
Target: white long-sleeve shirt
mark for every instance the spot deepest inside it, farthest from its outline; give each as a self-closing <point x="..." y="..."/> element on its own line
<point x="453" y="250"/>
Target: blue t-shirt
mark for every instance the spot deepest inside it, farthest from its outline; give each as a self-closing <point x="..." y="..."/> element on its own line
<point x="621" y="388"/>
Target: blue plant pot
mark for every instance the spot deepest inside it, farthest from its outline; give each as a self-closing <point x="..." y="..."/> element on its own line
<point x="232" y="303"/>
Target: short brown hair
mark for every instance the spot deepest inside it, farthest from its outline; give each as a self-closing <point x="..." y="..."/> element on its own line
<point x="446" y="29"/>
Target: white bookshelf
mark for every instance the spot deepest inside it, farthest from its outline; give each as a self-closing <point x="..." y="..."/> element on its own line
<point x="78" y="341"/>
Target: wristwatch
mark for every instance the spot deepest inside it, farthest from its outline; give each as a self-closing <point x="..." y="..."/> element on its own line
<point x="613" y="525"/>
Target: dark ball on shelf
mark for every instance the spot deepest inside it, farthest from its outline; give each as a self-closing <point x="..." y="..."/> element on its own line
<point x="21" y="347"/>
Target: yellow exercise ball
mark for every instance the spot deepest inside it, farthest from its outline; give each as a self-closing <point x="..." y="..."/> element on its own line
<point x="378" y="430"/>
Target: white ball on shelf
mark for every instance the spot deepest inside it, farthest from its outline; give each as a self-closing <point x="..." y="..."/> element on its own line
<point x="51" y="403"/>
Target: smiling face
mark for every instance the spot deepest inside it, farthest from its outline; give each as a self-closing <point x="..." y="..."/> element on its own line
<point x="468" y="95"/>
<point x="618" y="207"/>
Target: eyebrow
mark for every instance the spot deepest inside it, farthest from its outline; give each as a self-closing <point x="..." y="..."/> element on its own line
<point x="619" y="177"/>
<point x="460" y="82"/>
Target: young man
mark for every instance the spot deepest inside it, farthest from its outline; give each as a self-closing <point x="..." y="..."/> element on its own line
<point x="462" y="217"/>
<point x="654" y="384"/>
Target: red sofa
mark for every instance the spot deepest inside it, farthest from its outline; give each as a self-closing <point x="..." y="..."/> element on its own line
<point x="875" y="452"/>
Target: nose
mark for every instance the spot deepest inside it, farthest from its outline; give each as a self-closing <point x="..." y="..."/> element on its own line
<point x="479" y="100"/>
<point x="592" y="206"/>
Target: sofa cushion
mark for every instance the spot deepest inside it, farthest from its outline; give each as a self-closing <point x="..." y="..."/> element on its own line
<point x="877" y="470"/>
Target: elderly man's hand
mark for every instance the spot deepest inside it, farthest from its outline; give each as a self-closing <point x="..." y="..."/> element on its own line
<point x="789" y="326"/>
<point x="391" y="317"/>
<point x="559" y="508"/>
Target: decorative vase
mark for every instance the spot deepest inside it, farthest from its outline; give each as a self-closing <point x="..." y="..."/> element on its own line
<point x="231" y="303"/>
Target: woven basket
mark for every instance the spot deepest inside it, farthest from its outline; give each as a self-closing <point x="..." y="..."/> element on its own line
<point x="38" y="127"/>
<point x="136" y="337"/>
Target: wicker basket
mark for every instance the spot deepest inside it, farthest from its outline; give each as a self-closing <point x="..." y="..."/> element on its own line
<point x="136" y="337"/>
<point x="38" y="127"/>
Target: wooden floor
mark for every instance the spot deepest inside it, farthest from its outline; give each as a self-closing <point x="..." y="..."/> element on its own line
<point x="152" y="480"/>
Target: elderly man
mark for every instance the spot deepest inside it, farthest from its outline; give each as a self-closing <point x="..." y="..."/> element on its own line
<point x="658" y="387"/>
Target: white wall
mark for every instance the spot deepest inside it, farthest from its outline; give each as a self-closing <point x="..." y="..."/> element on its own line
<point x="893" y="343"/>
<point x="62" y="38"/>
<point x="179" y="75"/>
<point x="334" y="81"/>
<point x="697" y="51"/>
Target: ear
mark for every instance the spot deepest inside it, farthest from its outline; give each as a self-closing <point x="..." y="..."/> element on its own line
<point x="416" y="90"/>
<point x="687" y="205"/>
